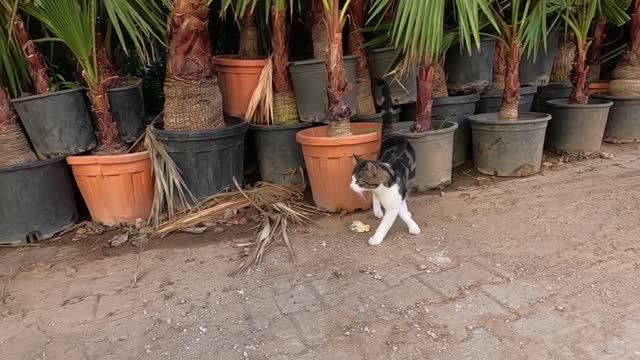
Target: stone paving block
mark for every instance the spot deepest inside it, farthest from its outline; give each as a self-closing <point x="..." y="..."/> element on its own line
<point x="410" y="292"/>
<point x="480" y="344"/>
<point x="282" y="337"/>
<point x="315" y="328"/>
<point x="262" y="311"/>
<point x="333" y="291"/>
<point x="451" y="282"/>
<point x="520" y="293"/>
<point x="394" y="273"/>
<point x="300" y="298"/>
<point x="78" y="310"/>
<point x="547" y="325"/>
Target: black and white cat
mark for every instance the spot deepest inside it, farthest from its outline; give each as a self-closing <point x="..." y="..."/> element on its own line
<point x="390" y="178"/>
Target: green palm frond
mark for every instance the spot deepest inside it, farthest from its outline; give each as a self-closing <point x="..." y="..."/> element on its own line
<point x="579" y="14"/>
<point x="239" y="7"/>
<point x="13" y="65"/>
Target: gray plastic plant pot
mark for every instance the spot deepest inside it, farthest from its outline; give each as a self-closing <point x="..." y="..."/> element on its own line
<point x="536" y="70"/>
<point x="377" y="117"/>
<point x="553" y="90"/>
<point x="577" y="127"/>
<point x="470" y="73"/>
<point x="403" y="91"/>
<point x="434" y="153"/>
<point x="623" y="125"/>
<point x="508" y="148"/>
<point x="309" y="79"/>
<point x="491" y="101"/>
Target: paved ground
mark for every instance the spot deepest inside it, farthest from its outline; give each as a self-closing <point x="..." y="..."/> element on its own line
<point x="538" y="268"/>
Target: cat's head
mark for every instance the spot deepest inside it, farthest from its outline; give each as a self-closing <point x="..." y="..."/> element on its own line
<point x="369" y="175"/>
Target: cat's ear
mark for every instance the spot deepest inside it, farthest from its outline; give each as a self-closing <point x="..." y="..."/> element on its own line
<point x="358" y="158"/>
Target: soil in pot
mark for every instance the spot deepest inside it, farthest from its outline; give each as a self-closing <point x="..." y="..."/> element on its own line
<point x="434" y="153"/>
<point x="58" y="123"/>
<point x="238" y="79"/>
<point x="380" y="62"/>
<point x="470" y="73"/>
<point x="508" y="148"/>
<point x="623" y="125"/>
<point x="554" y="90"/>
<point x="491" y="100"/>
<point x="577" y="127"/>
<point x="456" y="109"/>
<point x="309" y="79"/>
<point x="376" y="118"/>
<point x="330" y="162"/>
<point x="36" y="201"/>
<point x="537" y="70"/>
<point x="279" y="155"/>
<point x="127" y="105"/>
<point x="208" y="160"/>
<point x="116" y="188"/>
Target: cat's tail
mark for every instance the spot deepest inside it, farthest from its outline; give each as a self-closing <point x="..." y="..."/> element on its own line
<point x="387" y="107"/>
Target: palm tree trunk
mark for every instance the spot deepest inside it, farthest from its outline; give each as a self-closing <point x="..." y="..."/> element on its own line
<point x="511" y="94"/>
<point x="579" y="75"/>
<point x="37" y="68"/>
<point x="248" y="36"/>
<point x="563" y="61"/>
<point x="285" y="110"/>
<point x="424" y="101"/>
<point x="439" y="80"/>
<point x="499" y="65"/>
<point x="366" y="105"/>
<point x="15" y="147"/>
<point x="595" y="50"/>
<point x="628" y="67"/>
<point x="319" y="36"/>
<point x="193" y="101"/>
<point x="339" y="112"/>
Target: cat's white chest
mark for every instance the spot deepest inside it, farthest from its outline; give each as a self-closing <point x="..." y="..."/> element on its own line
<point x="389" y="197"/>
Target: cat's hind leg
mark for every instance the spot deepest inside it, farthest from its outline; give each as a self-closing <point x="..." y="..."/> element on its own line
<point x="406" y="216"/>
<point x="377" y="208"/>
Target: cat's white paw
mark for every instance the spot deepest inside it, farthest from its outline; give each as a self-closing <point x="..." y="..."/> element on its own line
<point x="375" y="241"/>
<point x="378" y="213"/>
<point x="414" y="230"/>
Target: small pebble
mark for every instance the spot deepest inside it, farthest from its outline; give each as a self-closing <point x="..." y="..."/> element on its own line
<point x="346" y="333"/>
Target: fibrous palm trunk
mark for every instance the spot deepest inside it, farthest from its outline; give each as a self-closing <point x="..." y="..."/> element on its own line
<point x="248" y="36"/>
<point x="339" y="112"/>
<point x="37" y="68"/>
<point x="285" y="110"/>
<point x="15" y="147"/>
<point x="439" y="80"/>
<point x="193" y="101"/>
<point x="366" y="105"/>
<point x="499" y="65"/>
<point x="628" y="67"/>
<point x="563" y="60"/>
<point x="424" y="101"/>
<point x="319" y="36"/>
<point x="595" y="50"/>
<point x="579" y="74"/>
<point x="511" y="94"/>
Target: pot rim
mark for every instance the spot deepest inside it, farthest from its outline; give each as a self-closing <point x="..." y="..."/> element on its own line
<point x="136" y="84"/>
<point x="30" y="164"/>
<point x="608" y="96"/>
<point x="453" y="126"/>
<point x="396" y="111"/>
<point x="529" y="89"/>
<point x="314" y="61"/>
<point x="238" y="127"/>
<point x="457" y="99"/>
<point x="539" y="117"/>
<point x="45" y="95"/>
<point x="304" y="138"/>
<point x="107" y="159"/>
<point x="299" y="125"/>
<point x="564" y="103"/>
<point x="236" y="61"/>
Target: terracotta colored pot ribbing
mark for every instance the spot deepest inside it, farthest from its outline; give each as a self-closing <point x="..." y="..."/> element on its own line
<point x="329" y="162"/>
<point x="238" y="79"/>
<point x="116" y="188"/>
<point x="597" y="87"/>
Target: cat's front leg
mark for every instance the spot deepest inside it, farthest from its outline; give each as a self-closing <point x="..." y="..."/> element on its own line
<point x="388" y="219"/>
<point x="406" y="216"/>
<point x="377" y="208"/>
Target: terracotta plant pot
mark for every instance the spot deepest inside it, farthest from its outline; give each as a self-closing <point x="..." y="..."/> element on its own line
<point x="329" y="162"/>
<point x="597" y="87"/>
<point x="116" y="188"/>
<point x="238" y="79"/>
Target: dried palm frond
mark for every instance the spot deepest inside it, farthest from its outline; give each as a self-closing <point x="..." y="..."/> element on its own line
<point x="171" y="193"/>
<point x="260" y="109"/>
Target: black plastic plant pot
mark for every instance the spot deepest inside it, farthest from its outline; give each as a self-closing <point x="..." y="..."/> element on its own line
<point x="380" y="65"/>
<point x="279" y="154"/>
<point x="536" y="70"/>
<point x="622" y="125"/>
<point x="377" y="117"/>
<point x="553" y="90"/>
<point x="57" y="123"/>
<point x="470" y="73"/>
<point x="208" y="160"/>
<point x="577" y="128"/>
<point x="491" y="100"/>
<point x="508" y="148"/>
<point x="309" y="79"/>
<point x="127" y="106"/>
<point x="36" y="201"/>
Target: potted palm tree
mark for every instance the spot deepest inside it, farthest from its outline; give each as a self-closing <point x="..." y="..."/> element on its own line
<point x="36" y="196"/>
<point x="578" y="123"/>
<point x="624" y="89"/>
<point x="207" y="148"/>
<point x="510" y="142"/>
<point x="365" y="105"/>
<point x="116" y="186"/>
